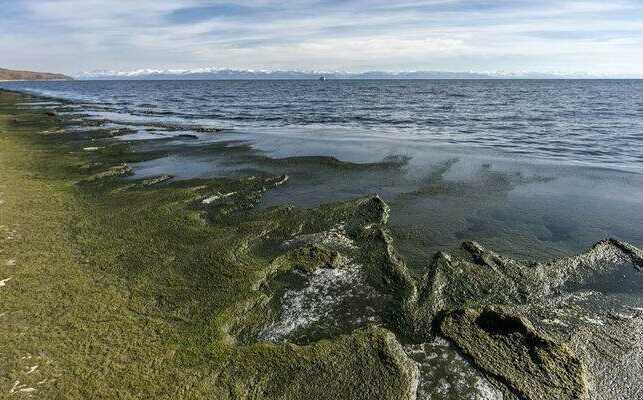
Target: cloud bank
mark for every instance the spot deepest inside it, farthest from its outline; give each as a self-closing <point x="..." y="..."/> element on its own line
<point x="73" y="36"/>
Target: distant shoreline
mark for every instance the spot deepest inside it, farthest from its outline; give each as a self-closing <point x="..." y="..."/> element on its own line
<point x="316" y="80"/>
<point x="35" y="80"/>
<point x="13" y="75"/>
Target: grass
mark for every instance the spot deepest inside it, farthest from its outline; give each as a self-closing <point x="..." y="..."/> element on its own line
<point x="123" y="290"/>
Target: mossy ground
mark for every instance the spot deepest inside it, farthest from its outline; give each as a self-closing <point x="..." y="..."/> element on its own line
<point x="117" y="287"/>
<point x="122" y="289"/>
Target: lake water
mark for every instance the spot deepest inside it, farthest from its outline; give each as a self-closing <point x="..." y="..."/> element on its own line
<point x="532" y="169"/>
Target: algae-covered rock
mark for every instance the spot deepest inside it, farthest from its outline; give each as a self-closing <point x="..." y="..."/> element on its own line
<point x="613" y="353"/>
<point x="604" y="332"/>
<point x="309" y="258"/>
<point x="508" y="347"/>
<point x="457" y="292"/>
<point x="112" y="172"/>
<point x="489" y="278"/>
<point x="156" y="180"/>
<point x="368" y="364"/>
<point x="235" y="196"/>
<point x="372" y="210"/>
<point x="502" y="342"/>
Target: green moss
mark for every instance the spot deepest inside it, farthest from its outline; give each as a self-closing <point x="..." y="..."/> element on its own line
<point x="156" y="288"/>
<point x="309" y="258"/>
<point x="124" y="289"/>
<point x="112" y="172"/>
<point x="368" y="364"/>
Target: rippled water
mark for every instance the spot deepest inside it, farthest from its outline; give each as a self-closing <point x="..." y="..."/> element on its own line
<point x="587" y="122"/>
<point x="533" y="169"/>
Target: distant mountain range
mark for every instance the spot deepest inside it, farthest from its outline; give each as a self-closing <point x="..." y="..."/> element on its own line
<point x="10" y="75"/>
<point x="231" y="74"/>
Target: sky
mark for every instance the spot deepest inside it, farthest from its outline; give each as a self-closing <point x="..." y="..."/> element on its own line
<point x="75" y="36"/>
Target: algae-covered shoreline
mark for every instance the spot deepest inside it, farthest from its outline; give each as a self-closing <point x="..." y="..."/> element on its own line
<point x="159" y="288"/>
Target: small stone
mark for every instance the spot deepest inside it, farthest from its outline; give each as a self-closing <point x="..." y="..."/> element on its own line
<point x="156" y="180"/>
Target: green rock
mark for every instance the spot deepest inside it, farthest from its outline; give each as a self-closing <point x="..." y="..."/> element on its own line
<point x="368" y="364"/>
<point x="309" y="258"/>
<point x="112" y="172"/>
<point x="156" y="180"/>
<point x="507" y="347"/>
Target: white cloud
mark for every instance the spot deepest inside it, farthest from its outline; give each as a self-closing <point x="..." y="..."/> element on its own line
<point x="73" y="35"/>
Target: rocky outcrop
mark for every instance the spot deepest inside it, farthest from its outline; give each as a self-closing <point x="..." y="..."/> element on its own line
<point x="488" y="278"/>
<point x="488" y="305"/>
<point x="112" y="172"/>
<point x="309" y="258"/>
<point x="507" y="347"/>
<point x="368" y="364"/>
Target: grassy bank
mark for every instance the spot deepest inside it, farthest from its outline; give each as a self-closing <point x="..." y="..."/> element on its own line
<point x="119" y="288"/>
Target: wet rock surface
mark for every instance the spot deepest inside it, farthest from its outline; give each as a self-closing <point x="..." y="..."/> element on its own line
<point x="446" y="374"/>
<point x="583" y="346"/>
<point x="112" y="172"/>
<point x="517" y="330"/>
<point x="309" y="258"/>
<point x="508" y="347"/>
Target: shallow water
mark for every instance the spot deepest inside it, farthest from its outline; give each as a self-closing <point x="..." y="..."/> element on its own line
<point x="533" y="169"/>
<point x="445" y="374"/>
<point x="587" y="122"/>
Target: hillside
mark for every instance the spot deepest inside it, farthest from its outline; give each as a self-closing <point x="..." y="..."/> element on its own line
<point x="10" y="75"/>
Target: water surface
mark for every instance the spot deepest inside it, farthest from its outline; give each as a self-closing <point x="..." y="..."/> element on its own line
<point x="533" y="169"/>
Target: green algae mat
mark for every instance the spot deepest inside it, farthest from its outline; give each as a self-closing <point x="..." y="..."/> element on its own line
<point x="113" y="287"/>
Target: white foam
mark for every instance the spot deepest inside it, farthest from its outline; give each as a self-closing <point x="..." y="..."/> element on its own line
<point x="217" y="196"/>
<point x="486" y="391"/>
<point x="302" y="308"/>
<point x="126" y="118"/>
<point x="445" y="374"/>
<point x="594" y="321"/>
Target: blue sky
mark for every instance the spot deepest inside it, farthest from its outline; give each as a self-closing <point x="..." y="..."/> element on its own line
<point x="72" y="36"/>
